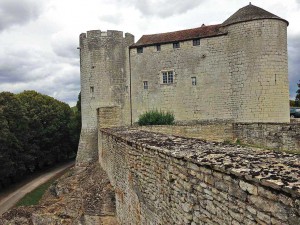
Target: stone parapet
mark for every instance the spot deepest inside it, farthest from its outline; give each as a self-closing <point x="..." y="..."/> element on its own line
<point x="276" y="136"/>
<point x="165" y="179"/>
<point x="210" y="131"/>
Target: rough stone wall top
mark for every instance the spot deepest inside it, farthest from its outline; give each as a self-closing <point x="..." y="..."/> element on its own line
<point x="249" y="13"/>
<point x="275" y="170"/>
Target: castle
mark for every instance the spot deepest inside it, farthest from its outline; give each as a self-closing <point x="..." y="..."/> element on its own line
<point x="226" y="83"/>
<point x="234" y="71"/>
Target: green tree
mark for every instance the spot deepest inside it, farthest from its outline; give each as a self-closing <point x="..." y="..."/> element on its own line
<point x="13" y="126"/>
<point x="48" y="137"/>
<point x="297" y="99"/>
<point x="35" y="131"/>
<point x="75" y="124"/>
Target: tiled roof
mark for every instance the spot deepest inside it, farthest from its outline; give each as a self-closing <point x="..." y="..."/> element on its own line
<point x="248" y="13"/>
<point x="182" y="35"/>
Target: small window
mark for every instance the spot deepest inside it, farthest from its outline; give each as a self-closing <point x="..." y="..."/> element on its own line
<point x="167" y="77"/>
<point x="176" y="45"/>
<point x="157" y="47"/>
<point x="196" y="42"/>
<point x="145" y="85"/>
<point x="139" y="50"/>
<point x="194" y="81"/>
<point x="92" y="92"/>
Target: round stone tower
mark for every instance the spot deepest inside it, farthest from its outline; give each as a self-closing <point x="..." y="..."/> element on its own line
<point x="104" y="70"/>
<point x="257" y="55"/>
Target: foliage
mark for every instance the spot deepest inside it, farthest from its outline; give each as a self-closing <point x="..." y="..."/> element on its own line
<point x="36" y="131"/>
<point x="297" y="99"/>
<point x="292" y="103"/>
<point x="155" y="117"/>
<point x="13" y="126"/>
<point x="75" y="123"/>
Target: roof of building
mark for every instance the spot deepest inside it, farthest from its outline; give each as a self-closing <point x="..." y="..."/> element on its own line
<point x="249" y="13"/>
<point x="182" y="35"/>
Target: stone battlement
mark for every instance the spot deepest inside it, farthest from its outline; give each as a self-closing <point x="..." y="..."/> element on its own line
<point x="98" y="33"/>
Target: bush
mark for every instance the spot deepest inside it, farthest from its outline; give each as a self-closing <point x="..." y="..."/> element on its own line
<point x="155" y="117"/>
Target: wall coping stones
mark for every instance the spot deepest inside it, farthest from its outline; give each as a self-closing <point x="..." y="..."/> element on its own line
<point x="278" y="171"/>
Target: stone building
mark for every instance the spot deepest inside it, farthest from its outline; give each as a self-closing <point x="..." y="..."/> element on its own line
<point x="234" y="71"/>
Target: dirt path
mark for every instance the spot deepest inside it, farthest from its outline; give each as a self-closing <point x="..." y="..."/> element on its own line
<point x="10" y="199"/>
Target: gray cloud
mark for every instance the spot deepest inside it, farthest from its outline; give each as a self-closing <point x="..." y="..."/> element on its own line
<point x="65" y="48"/>
<point x="20" y="65"/>
<point x="166" y="8"/>
<point x="114" y="19"/>
<point x="294" y="63"/>
<point x="16" y="12"/>
<point x="162" y="8"/>
<point x="35" y="69"/>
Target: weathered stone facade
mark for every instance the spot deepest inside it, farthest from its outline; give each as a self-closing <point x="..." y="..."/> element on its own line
<point x="104" y="84"/>
<point x="240" y="72"/>
<point x="274" y="136"/>
<point x="163" y="179"/>
<point x="235" y="71"/>
<point x="282" y="137"/>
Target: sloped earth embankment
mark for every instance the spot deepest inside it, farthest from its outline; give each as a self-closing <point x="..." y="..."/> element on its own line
<point x="81" y="196"/>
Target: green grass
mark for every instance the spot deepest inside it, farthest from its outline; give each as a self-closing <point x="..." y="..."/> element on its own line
<point x="33" y="197"/>
<point x="155" y="117"/>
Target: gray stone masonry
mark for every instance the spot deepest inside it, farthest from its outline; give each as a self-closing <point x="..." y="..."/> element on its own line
<point x="164" y="179"/>
<point x="274" y="136"/>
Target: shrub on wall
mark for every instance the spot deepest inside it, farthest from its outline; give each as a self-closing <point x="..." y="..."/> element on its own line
<point x="155" y="117"/>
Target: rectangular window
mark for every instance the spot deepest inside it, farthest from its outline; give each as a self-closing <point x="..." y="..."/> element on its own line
<point x="157" y="47"/>
<point x="145" y="85"/>
<point x="139" y="50"/>
<point x="196" y="42"/>
<point x="194" y="81"/>
<point x="176" y="45"/>
<point x="167" y="77"/>
<point x="92" y="92"/>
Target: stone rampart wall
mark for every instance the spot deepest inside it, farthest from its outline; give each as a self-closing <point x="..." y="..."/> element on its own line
<point x="271" y="135"/>
<point x="275" y="136"/>
<point x="211" y="131"/>
<point x="162" y="179"/>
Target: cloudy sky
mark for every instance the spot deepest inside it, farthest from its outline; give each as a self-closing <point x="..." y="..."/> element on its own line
<point x="39" y="38"/>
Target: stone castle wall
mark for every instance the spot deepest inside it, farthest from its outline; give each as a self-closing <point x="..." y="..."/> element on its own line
<point x="275" y="136"/>
<point x="210" y="98"/>
<point x="104" y="83"/>
<point x="281" y="137"/>
<point x="162" y="179"/>
<point x="211" y="131"/>
<point x="257" y="56"/>
<point x="240" y="76"/>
